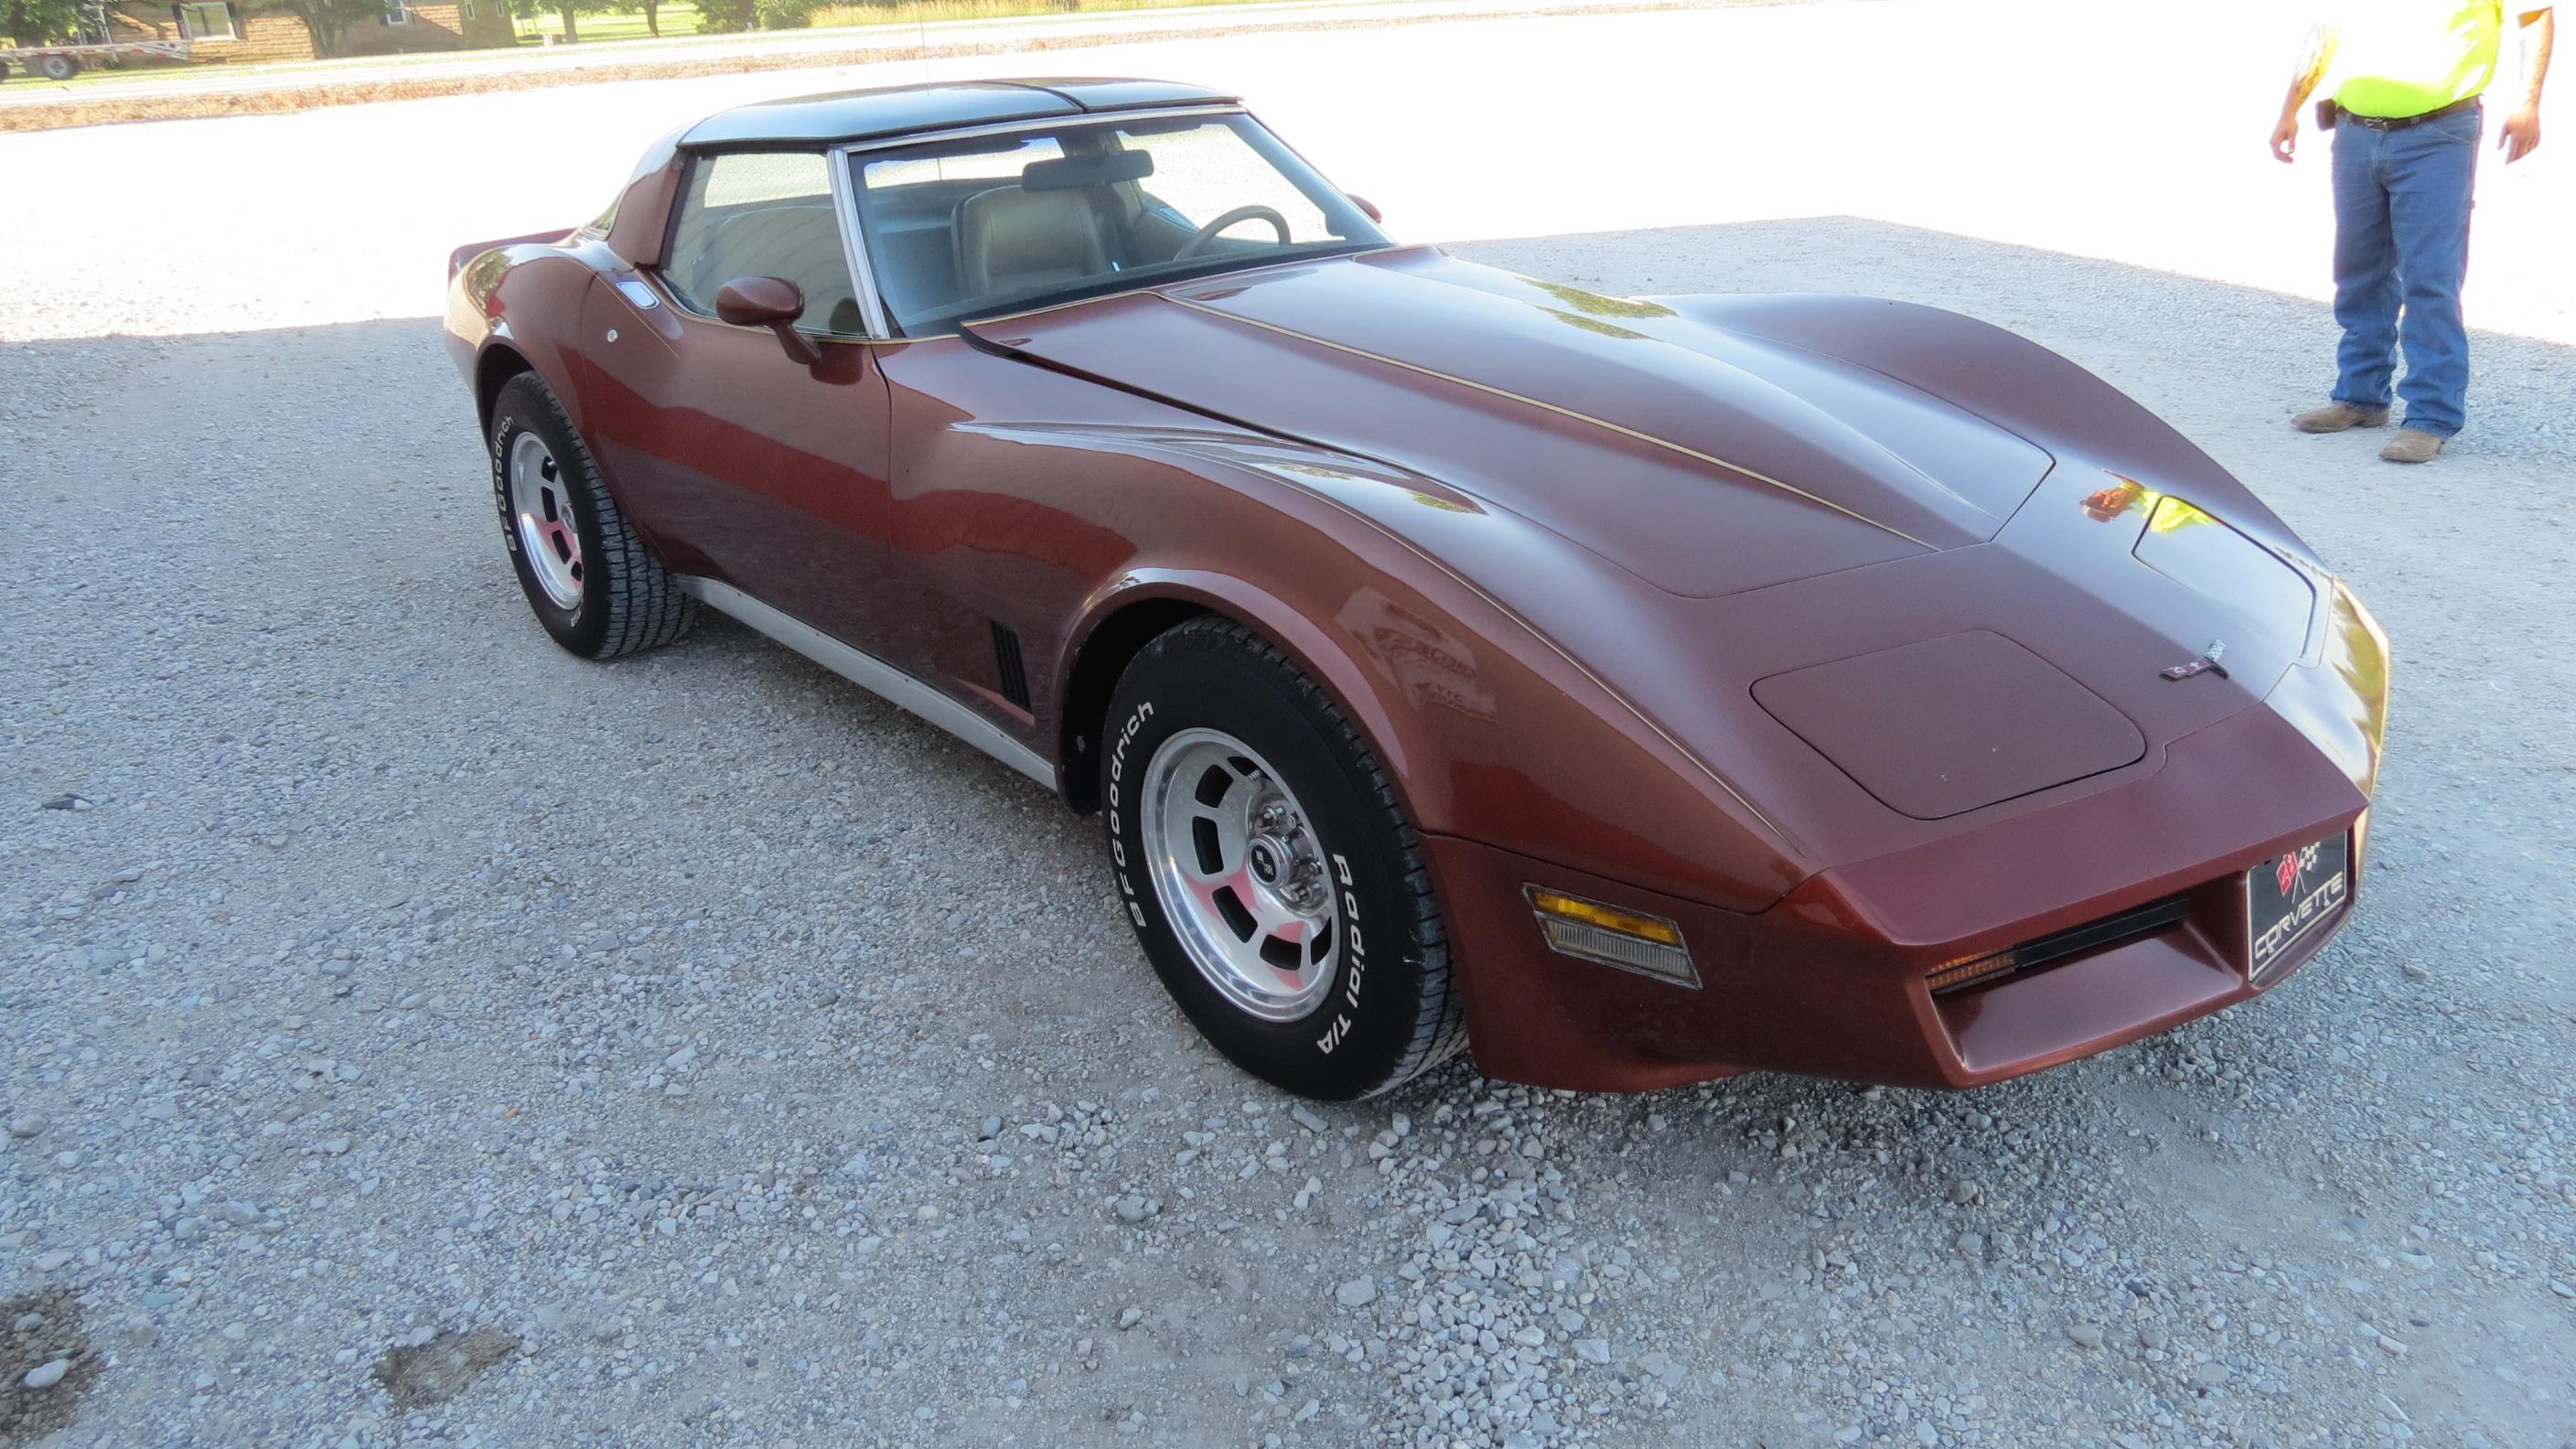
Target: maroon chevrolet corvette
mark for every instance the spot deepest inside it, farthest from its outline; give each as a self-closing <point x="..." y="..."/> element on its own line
<point x="1634" y="691"/>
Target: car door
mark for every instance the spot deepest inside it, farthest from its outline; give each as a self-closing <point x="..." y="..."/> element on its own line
<point x="739" y="461"/>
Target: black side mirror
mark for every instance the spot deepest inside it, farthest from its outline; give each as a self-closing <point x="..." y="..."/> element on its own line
<point x="1367" y="207"/>
<point x="771" y="302"/>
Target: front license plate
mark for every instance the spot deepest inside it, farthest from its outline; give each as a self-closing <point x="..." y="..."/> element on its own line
<point x="2291" y="896"/>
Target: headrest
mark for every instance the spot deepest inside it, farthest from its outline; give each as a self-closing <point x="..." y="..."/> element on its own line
<point x="1098" y="169"/>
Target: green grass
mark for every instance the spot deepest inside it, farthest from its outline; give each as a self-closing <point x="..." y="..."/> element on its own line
<point x="677" y="20"/>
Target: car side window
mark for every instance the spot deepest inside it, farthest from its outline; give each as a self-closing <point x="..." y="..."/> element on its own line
<point x="763" y="214"/>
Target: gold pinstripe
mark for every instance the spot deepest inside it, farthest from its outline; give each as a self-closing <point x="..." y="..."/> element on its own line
<point x="1507" y="394"/>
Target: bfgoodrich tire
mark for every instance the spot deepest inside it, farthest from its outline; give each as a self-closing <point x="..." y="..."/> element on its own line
<point x="594" y="585"/>
<point x="1269" y="870"/>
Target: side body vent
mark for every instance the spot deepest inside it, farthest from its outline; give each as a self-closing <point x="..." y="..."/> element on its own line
<point x="1006" y="659"/>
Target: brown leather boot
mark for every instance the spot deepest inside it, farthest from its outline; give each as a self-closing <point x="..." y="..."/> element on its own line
<point x="2334" y="417"/>
<point x="2412" y="445"/>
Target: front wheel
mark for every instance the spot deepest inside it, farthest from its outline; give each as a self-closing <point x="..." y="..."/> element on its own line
<point x="1269" y="870"/>
<point x="59" y="67"/>
<point x="588" y="576"/>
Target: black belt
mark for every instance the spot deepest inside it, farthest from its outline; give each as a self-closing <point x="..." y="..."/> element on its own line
<point x="2400" y="123"/>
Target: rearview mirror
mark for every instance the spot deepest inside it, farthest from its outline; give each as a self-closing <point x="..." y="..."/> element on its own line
<point x="771" y="302"/>
<point x="1367" y="207"/>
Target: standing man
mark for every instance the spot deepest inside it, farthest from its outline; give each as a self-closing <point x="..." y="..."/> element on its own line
<point x="2407" y="118"/>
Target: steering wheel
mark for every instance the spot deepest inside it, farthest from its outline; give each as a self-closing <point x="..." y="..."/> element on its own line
<point x="1201" y="239"/>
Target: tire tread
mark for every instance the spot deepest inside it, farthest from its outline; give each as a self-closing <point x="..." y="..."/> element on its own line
<point x="646" y="608"/>
<point x="1440" y="1023"/>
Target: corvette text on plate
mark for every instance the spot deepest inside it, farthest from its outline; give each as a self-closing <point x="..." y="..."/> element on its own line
<point x="2317" y="905"/>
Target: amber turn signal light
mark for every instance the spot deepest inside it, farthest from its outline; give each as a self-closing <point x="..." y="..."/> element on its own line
<point x="1630" y="940"/>
<point x="1971" y="971"/>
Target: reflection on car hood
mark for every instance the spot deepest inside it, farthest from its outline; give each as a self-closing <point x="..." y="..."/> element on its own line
<point x="1703" y="461"/>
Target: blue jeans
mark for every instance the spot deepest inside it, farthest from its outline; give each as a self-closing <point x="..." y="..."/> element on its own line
<point x="2401" y="251"/>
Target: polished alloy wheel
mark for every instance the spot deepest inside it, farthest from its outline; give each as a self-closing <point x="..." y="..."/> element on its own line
<point x="541" y="508"/>
<point x="1240" y="874"/>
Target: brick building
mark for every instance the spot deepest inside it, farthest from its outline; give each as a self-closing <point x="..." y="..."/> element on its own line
<point x="221" y="31"/>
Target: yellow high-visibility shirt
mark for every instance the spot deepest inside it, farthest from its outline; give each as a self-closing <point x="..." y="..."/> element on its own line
<point x="2406" y="57"/>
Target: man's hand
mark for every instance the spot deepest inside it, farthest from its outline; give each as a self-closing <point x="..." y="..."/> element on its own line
<point x="2285" y="137"/>
<point x="2314" y="57"/>
<point x="2521" y="134"/>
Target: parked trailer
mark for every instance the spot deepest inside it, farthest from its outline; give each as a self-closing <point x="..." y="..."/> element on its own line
<point x="62" y="62"/>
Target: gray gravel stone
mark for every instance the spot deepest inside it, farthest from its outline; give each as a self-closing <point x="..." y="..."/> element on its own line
<point x="47" y="1374"/>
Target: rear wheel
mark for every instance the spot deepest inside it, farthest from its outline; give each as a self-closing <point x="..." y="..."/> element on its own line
<point x="1269" y="870"/>
<point x="587" y="575"/>
<point x="58" y="67"/>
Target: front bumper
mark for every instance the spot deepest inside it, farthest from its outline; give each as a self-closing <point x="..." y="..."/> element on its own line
<point x="1831" y="981"/>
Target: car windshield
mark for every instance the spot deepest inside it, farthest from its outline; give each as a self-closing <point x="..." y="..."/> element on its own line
<point x="990" y="224"/>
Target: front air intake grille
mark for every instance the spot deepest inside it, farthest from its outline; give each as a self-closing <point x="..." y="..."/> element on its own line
<point x="2075" y="940"/>
<point x="1006" y="660"/>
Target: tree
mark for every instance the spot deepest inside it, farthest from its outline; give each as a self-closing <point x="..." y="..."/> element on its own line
<point x="327" y="21"/>
<point x="724" y="17"/>
<point x="570" y="10"/>
<point x="40" y="22"/>
<point x="728" y="17"/>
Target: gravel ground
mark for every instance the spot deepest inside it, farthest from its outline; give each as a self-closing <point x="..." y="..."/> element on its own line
<point x="415" y="1035"/>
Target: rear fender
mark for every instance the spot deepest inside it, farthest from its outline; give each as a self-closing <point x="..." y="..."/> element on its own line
<point x="457" y="259"/>
<point x="524" y="296"/>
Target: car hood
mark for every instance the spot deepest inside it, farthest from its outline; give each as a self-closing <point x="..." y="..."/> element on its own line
<point x="1623" y="426"/>
<point x="1874" y="615"/>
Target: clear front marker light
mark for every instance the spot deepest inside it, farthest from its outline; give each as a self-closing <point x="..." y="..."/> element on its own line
<point x="1630" y="940"/>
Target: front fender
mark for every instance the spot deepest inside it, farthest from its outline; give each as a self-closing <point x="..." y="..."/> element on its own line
<point x="1086" y="517"/>
<point x="1314" y="649"/>
<point x="1490" y="730"/>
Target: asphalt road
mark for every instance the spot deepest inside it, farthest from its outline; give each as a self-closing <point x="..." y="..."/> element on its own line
<point x="414" y="1035"/>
